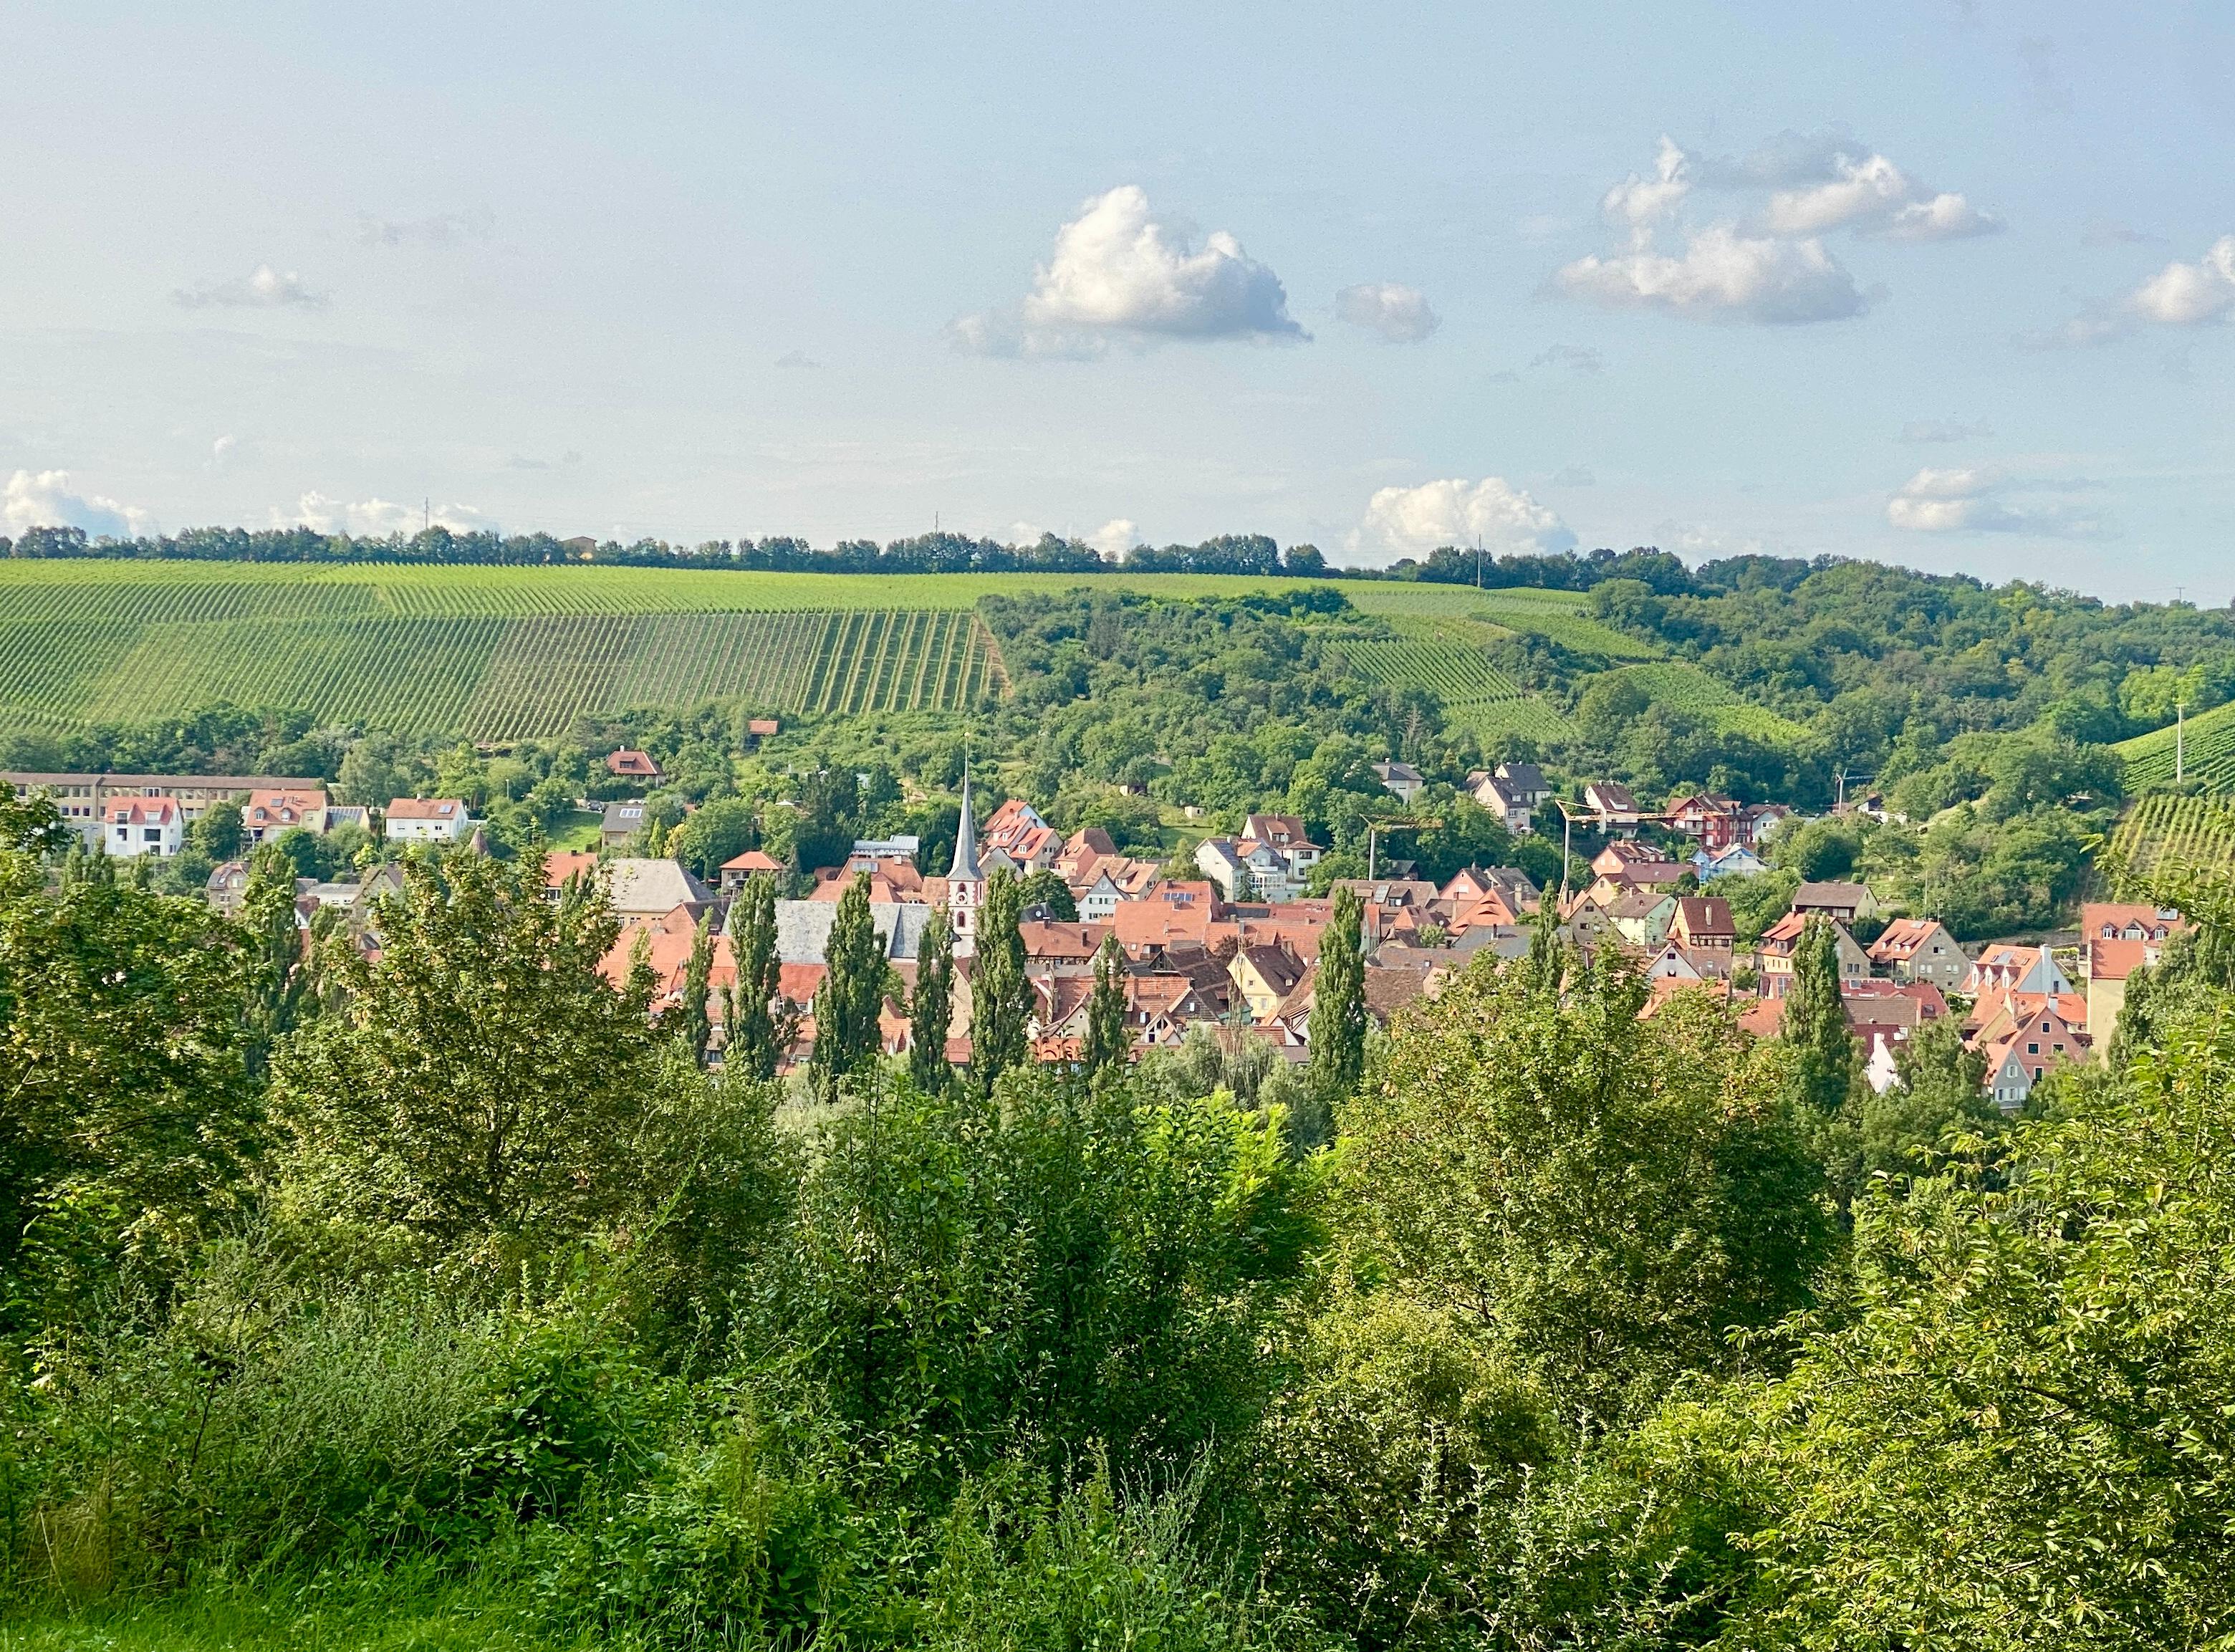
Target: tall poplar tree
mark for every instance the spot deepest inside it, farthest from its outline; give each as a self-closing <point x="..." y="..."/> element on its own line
<point x="1827" y="1060"/>
<point x="752" y="1044"/>
<point x="1108" y="1038"/>
<point x="698" y="1026"/>
<point x="1000" y="994"/>
<point x="847" y="1039"/>
<point x="1338" y="1024"/>
<point x="932" y="1010"/>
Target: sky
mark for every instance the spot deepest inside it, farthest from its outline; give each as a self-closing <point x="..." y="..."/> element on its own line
<point x="1947" y="283"/>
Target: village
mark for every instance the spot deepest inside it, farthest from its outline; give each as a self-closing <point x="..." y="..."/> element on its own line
<point x="1231" y="951"/>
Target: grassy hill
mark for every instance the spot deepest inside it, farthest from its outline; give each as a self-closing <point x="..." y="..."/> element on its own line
<point x="2168" y="828"/>
<point x="499" y="653"/>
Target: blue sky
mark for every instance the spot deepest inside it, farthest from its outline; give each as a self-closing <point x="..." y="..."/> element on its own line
<point x="1945" y="284"/>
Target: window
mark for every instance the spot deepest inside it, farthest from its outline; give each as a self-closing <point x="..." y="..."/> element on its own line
<point x="2033" y="1049"/>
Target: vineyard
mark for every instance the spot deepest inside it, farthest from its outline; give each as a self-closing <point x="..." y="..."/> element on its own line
<point x="498" y="653"/>
<point x="1449" y="659"/>
<point x="491" y="654"/>
<point x="2209" y="758"/>
<point x="1687" y="689"/>
<point x="2166" y="828"/>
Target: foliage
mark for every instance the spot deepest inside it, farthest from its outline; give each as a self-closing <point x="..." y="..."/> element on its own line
<point x="1338" y="1023"/>
<point x="1109" y="1039"/>
<point x="482" y="1084"/>
<point x="1826" y="1063"/>
<point x="852" y="996"/>
<point x="751" y="1041"/>
<point x="931" y="1010"/>
<point x="1602" y="1196"/>
<point x="1001" y="1000"/>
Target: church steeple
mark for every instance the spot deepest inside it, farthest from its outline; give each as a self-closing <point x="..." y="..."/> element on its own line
<point x="965" y="839"/>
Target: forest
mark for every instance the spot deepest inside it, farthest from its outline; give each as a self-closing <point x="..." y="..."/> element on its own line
<point x="443" y="1298"/>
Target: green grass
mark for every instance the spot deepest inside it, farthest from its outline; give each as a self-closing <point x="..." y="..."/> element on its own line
<point x="2209" y="756"/>
<point x="508" y="653"/>
<point x="1686" y="688"/>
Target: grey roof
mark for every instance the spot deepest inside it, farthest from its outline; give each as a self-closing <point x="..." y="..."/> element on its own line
<point x="966" y="840"/>
<point x="640" y="885"/>
<point x="802" y="928"/>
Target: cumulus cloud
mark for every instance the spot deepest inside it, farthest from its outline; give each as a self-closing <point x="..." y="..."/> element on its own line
<point x="377" y="518"/>
<point x="44" y="498"/>
<point x="1458" y="512"/>
<point x="1876" y="198"/>
<point x="1119" y="273"/>
<point x="1115" y="537"/>
<point x="2181" y="295"/>
<point x="1640" y="202"/>
<point x="262" y="288"/>
<point x="220" y="448"/>
<point x="1976" y="501"/>
<point x="1722" y="275"/>
<point x="442" y="229"/>
<point x="1769" y="264"/>
<point x="1399" y="314"/>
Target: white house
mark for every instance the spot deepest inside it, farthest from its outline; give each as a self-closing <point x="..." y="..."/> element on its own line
<point x="428" y="820"/>
<point x="1507" y="800"/>
<point x="1220" y="860"/>
<point x="144" y="826"/>
<point x="1400" y="778"/>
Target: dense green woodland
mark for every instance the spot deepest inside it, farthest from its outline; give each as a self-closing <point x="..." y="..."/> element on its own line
<point x="444" y="1299"/>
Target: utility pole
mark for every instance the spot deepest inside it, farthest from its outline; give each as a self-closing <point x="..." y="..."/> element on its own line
<point x="2179" y="741"/>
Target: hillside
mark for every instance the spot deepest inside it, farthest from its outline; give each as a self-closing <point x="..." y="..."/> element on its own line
<point x="2209" y="756"/>
<point x="499" y="653"/>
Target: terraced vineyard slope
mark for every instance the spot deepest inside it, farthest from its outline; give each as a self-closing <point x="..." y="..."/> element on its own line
<point x="2168" y="828"/>
<point x="2209" y="753"/>
<point x="1686" y="688"/>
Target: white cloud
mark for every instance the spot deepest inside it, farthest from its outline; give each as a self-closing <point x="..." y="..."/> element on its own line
<point x="1974" y="500"/>
<point x="1722" y="275"/>
<point x="1458" y="512"/>
<point x="44" y="498"/>
<point x="1115" y="537"/>
<point x="2181" y="295"/>
<point x="377" y="518"/>
<point x="1119" y="273"/>
<point x="262" y="288"/>
<point x="223" y="446"/>
<point x="1400" y="314"/>
<point x="1638" y="202"/>
<point x="1876" y="197"/>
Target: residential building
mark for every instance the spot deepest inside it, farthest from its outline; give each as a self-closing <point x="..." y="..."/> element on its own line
<point x="2023" y="1035"/>
<point x="759" y="729"/>
<point x="1177" y="916"/>
<point x="901" y="848"/>
<point x="1641" y="917"/>
<point x="1846" y="902"/>
<point x="2003" y="967"/>
<point x="227" y="884"/>
<point x="1015" y="834"/>
<point x="1773" y="955"/>
<point x="1281" y="854"/>
<point x="1507" y="801"/>
<point x="83" y="799"/>
<point x="428" y="820"/>
<point x="753" y="863"/>
<point x="139" y="826"/>
<point x="1526" y="781"/>
<point x="268" y="813"/>
<point x="625" y="764"/>
<point x="1220" y="860"/>
<point x="2116" y="938"/>
<point x="1736" y="860"/>
<point x="1264" y="976"/>
<point x="1401" y="779"/>
<point x="1628" y="851"/>
<point x="1614" y="806"/>
<point x="1921" y="949"/>
<point x="1702" y="925"/>
<point x="622" y="821"/>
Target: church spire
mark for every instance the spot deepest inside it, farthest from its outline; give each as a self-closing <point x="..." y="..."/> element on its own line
<point x="965" y="838"/>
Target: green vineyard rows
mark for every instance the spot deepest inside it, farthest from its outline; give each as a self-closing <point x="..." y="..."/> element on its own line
<point x="1474" y="693"/>
<point x="1686" y="688"/>
<point x="2208" y="754"/>
<point x="2172" y="829"/>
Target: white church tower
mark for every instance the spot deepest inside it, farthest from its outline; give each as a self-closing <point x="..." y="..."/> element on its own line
<point x="965" y="884"/>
